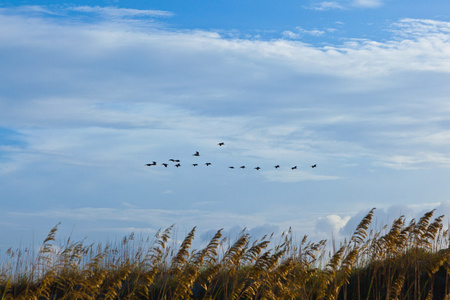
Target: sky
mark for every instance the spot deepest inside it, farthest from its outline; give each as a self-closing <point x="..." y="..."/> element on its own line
<point x="92" y="91"/>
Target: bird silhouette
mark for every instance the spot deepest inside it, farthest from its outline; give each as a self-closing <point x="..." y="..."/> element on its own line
<point x="208" y="164"/>
<point x="195" y="165"/>
<point x="221" y="144"/>
<point x="257" y="168"/>
<point x="177" y="160"/>
<point x="196" y="154"/>
<point x="164" y="164"/>
<point x="231" y="167"/>
<point x="313" y="166"/>
<point x="277" y="166"/>
<point x="294" y="167"/>
<point x="177" y="165"/>
<point x="152" y="164"/>
<point x="242" y="167"/>
<point x="173" y="160"/>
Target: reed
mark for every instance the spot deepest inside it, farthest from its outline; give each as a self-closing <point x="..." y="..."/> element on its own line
<point x="401" y="261"/>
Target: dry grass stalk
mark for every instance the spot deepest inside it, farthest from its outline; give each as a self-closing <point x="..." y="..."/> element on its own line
<point x="406" y="262"/>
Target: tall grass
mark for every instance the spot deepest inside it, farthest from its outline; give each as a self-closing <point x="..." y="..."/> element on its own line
<point x="403" y="261"/>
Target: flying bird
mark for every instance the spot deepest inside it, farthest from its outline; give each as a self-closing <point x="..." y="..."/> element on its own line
<point x="173" y="160"/>
<point x="196" y="154"/>
<point x="221" y="144"/>
<point x="195" y="165"/>
<point x="294" y="167"/>
<point x="164" y="164"/>
<point x="177" y="160"/>
<point x="177" y="165"/>
<point x="277" y="166"/>
<point x="231" y="167"/>
<point x="152" y="164"/>
<point x="242" y="167"/>
<point x="257" y="168"/>
<point x="207" y="164"/>
<point x="313" y="166"/>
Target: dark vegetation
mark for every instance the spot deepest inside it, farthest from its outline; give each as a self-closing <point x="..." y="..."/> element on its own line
<point x="403" y="261"/>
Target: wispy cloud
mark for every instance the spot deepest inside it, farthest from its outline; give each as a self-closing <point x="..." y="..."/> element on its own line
<point x="325" y="5"/>
<point x="299" y="32"/>
<point x="415" y="162"/>
<point x="421" y="27"/>
<point x="101" y="101"/>
<point x="368" y="3"/>
<point x="340" y="5"/>
<point x="118" y="222"/>
<point x="152" y="219"/>
<point x="295" y="176"/>
<point x="362" y="65"/>
<point x="331" y="225"/>
<point x="121" y="12"/>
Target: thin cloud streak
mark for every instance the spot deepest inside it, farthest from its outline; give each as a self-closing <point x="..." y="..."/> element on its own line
<point x="150" y="220"/>
<point x="295" y="176"/>
<point x="368" y="3"/>
<point x="121" y="12"/>
<point x="325" y="5"/>
<point x="339" y="5"/>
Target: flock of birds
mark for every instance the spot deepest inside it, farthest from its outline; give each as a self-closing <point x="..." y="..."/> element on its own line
<point x="177" y="162"/>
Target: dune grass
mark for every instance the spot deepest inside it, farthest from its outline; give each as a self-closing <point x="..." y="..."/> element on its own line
<point x="403" y="261"/>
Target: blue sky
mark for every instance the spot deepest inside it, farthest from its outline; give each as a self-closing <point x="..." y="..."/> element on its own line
<point x="92" y="91"/>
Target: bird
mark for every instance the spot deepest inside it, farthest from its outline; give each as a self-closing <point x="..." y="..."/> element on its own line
<point x="164" y="164"/>
<point x="231" y="167"/>
<point x="221" y="144"/>
<point x="294" y="167"/>
<point x="196" y="154"/>
<point x="173" y="160"/>
<point x="277" y="166"/>
<point x="195" y="165"/>
<point x="152" y="164"/>
<point x="242" y="167"/>
<point x="257" y="168"/>
<point x="177" y="165"/>
<point x="207" y="164"/>
<point x="177" y="160"/>
<point x="313" y="166"/>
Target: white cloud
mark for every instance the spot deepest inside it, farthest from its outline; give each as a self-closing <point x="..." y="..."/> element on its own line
<point x="433" y="31"/>
<point x="355" y="67"/>
<point x="363" y="65"/>
<point x="402" y="162"/>
<point x="333" y="5"/>
<point x="331" y="224"/>
<point x="368" y="3"/>
<point x="301" y="32"/>
<point x="291" y="35"/>
<point x="295" y="176"/>
<point x="325" y="5"/>
<point x="103" y="99"/>
<point x="121" y="12"/>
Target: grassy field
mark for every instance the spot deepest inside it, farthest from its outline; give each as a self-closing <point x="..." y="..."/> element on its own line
<point x="401" y="261"/>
